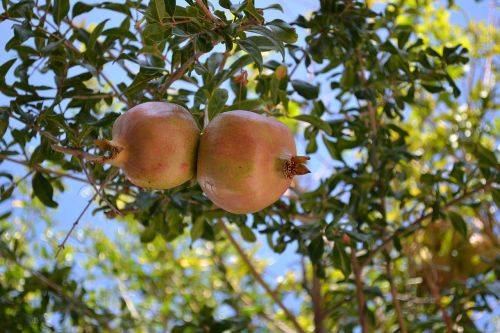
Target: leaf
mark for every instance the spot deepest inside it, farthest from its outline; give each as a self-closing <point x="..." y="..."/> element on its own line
<point x="95" y="34"/>
<point x="148" y="234"/>
<point x="305" y="89"/>
<point x="81" y="8"/>
<point x="316" y="122"/>
<point x="253" y="51"/>
<point x="43" y="190"/>
<point x="316" y="249"/>
<point x="341" y="259"/>
<point x="4" y="123"/>
<point x="247" y="233"/>
<point x="270" y="36"/>
<point x="170" y="7"/>
<point x="197" y="228"/>
<point x="485" y="156"/>
<point x="159" y="6"/>
<point x="283" y="31"/>
<point x="432" y="88"/>
<point x="216" y="102"/>
<point x="60" y="10"/>
<point x="458" y="223"/>
<point x="495" y="193"/>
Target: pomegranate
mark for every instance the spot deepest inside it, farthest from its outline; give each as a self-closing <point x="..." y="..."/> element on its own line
<point x="246" y="161"/>
<point x="154" y="144"/>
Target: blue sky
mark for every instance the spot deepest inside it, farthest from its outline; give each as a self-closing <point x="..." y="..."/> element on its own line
<point x="72" y="201"/>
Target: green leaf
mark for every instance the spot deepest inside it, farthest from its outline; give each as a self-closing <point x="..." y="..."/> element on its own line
<point x="305" y="89"/>
<point x="316" y="249"/>
<point x="60" y="10"/>
<point x="81" y="8"/>
<point x="458" y="223"/>
<point x="316" y="122"/>
<point x="148" y="234"/>
<point x="95" y="34"/>
<point x="485" y="156"/>
<point x="495" y="193"/>
<point x="4" y="4"/>
<point x="432" y="88"/>
<point x="170" y="7"/>
<point x="341" y="259"/>
<point x="160" y="11"/>
<point x="4" y="123"/>
<point x="253" y="51"/>
<point x="216" y="102"/>
<point x="43" y="190"/>
<point x="283" y="31"/>
<point x="270" y="36"/>
<point x="247" y="233"/>
<point x="197" y="228"/>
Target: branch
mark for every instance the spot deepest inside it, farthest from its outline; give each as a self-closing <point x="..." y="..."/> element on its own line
<point x="317" y="300"/>
<point x="208" y="13"/>
<point x="385" y="243"/>
<point x="259" y="278"/>
<point x="395" y="299"/>
<point x="357" y="271"/>
<point x="74" y="302"/>
<point x="99" y="191"/>
<point x="43" y="170"/>
<point x="221" y="267"/>
<point x="179" y="72"/>
<point x="77" y="153"/>
<point x="436" y="294"/>
<point x="63" y="243"/>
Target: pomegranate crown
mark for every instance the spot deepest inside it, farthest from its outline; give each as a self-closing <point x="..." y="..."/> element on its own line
<point x="295" y="166"/>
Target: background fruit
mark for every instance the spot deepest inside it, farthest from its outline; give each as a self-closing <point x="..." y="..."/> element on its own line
<point x="155" y="144"/>
<point x="241" y="161"/>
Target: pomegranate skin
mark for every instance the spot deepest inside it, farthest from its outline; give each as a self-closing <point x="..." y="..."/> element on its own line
<point x="240" y="161"/>
<point x="156" y="145"/>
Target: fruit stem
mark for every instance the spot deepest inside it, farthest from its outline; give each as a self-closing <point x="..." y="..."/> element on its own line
<point x="102" y="144"/>
<point x="295" y="166"/>
<point x="76" y="153"/>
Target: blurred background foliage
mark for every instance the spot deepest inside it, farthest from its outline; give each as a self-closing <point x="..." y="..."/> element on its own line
<point x="396" y="229"/>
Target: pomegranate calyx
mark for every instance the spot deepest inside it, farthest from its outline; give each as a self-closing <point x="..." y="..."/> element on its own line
<point x="110" y="146"/>
<point x="295" y="166"/>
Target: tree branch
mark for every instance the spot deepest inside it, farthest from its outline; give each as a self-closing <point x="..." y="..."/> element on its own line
<point x="360" y="296"/>
<point x="317" y="300"/>
<point x="208" y="13"/>
<point x="179" y="72"/>
<point x="63" y="243"/>
<point x="99" y="191"/>
<point x="259" y="278"/>
<point x="43" y="170"/>
<point x="385" y="243"/>
<point x="74" y="302"/>
<point x="395" y="299"/>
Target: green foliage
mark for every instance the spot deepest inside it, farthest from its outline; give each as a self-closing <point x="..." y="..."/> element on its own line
<point x="400" y="125"/>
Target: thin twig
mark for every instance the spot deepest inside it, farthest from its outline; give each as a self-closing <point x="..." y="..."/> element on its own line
<point x="360" y="296"/>
<point x="117" y="93"/>
<point x="42" y="169"/>
<point x="99" y="191"/>
<point x="258" y="277"/>
<point x="385" y="243"/>
<point x="63" y="243"/>
<point x="395" y="299"/>
<point x="179" y="72"/>
<point x="296" y="66"/>
<point x="208" y="13"/>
